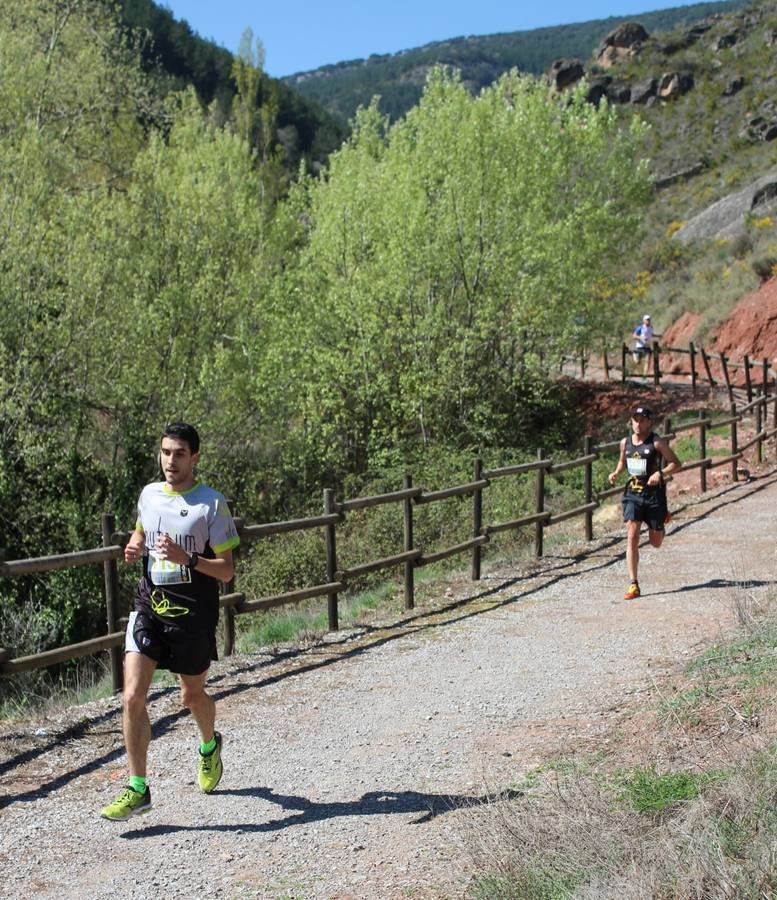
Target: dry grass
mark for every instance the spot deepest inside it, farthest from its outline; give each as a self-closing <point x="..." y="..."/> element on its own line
<point x="681" y="806"/>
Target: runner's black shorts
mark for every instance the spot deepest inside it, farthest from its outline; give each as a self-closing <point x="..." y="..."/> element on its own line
<point x="648" y="507"/>
<point x="170" y="646"/>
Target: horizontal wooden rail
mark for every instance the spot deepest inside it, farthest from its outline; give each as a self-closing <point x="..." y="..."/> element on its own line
<point x="697" y="463"/>
<point x="722" y="460"/>
<point x="518" y="469"/>
<point x="759" y="401"/>
<point x="761" y="436"/>
<point x="720" y="423"/>
<point x="675" y="350"/>
<point x="378" y="499"/>
<point x="689" y="426"/>
<point x="607" y="448"/>
<point x="262" y="603"/>
<point x="456" y="491"/>
<point x="517" y="523"/>
<point x="252" y="532"/>
<point x="386" y="563"/>
<point x="452" y="551"/>
<point x="571" y="513"/>
<point x="61" y="654"/>
<point x="609" y="492"/>
<point x="572" y="463"/>
<point x="59" y="561"/>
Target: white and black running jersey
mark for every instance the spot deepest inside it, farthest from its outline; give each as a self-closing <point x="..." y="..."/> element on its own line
<point x="198" y="520"/>
<point x="642" y="460"/>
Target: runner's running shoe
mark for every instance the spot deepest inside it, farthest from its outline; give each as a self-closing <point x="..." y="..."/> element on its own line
<point x="210" y="767"/>
<point x="633" y="591"/>
<point x="128" y="803"/>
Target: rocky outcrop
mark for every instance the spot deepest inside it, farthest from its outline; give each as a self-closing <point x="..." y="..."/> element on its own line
<point x="563" y="73"/>
<point x="728" y="216"/>
<point x="624" y="42"/>
<point x="763" y="125"/>
<point x="726" y="40"/>
<point x="682" y="174"/>
<point x="644" y="90"/>
<point x="674" y="84"/>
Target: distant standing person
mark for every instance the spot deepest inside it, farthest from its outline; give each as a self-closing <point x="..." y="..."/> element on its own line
<point x="185" y="536"/>
<point x="644" y="498"/>
<point x="643" y="343"/>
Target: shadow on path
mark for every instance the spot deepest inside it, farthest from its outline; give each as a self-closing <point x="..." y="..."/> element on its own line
<point x="373" y="803"/>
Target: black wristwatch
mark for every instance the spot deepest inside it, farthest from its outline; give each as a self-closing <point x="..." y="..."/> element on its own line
<point x="194" y="558"/>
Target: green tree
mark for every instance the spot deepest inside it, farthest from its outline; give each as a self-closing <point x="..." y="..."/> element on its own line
<point x="452" y="260"/>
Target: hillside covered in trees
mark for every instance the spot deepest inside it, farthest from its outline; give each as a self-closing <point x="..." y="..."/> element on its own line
<point x="178" y="57"/>
<point x="398" y="78"/>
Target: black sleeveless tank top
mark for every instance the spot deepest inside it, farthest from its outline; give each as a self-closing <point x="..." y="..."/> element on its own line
<point x="642" y="460"/>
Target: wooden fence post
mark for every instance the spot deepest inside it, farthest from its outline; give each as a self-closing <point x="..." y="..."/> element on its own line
<point x="692" y="351"/>
<point x="477" y="518"/>
<point x="606" y="364"/>
<point x="588" y="487"/>
<point x="624" y="351"/>
<point x="229" y="612"/>
<point x="5" y="653"/>
<point x="759" y="410"/>
<point x="728" y="381"/>
<point x="539" y="505"/>
<point x="734" y="443"/>
<point x="774" y="419"/>
<point x="706" y="360"/>
<point x="765" y="381"/>
<point x="748" y="383"/>
<point x="111" y="581"/>
<point x="331" y="557"/>
<point x="702" y="451"/>
<point x="408" y="534"/>
<point x="656" y="366"/>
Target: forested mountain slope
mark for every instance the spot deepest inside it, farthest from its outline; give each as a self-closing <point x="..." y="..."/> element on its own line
<point x="398" y="78"/>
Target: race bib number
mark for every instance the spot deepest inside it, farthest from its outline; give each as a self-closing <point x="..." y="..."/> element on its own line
<point x="162" y="571"/>
<point x="637" y="466"/>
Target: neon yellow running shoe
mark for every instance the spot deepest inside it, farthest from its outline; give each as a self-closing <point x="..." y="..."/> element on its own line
<point x="210" y="768"/>
<point x="128" y="803"/>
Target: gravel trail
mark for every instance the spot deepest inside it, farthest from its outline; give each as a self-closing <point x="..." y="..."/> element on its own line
<point x="349" y="765"/>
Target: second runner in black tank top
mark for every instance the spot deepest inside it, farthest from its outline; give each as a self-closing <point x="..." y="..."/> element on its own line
<point x="642" y="460"/>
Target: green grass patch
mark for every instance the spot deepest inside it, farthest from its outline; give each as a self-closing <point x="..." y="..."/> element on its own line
<point x="540" y="884"/>
<point x="648" y="791"/>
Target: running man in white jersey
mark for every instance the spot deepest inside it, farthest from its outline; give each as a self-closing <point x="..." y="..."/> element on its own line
<point x="184" y="535"/>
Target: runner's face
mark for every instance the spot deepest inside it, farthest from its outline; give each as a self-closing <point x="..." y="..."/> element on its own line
<point x="640" y="425"/>
<point x="178" y="463"/>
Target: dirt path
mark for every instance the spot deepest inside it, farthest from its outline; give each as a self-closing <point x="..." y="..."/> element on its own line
<point x="350" y="765"/>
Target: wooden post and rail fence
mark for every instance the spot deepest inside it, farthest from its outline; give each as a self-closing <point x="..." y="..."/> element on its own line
<point x="723" y="365"/>
<point x="234" y="603"/>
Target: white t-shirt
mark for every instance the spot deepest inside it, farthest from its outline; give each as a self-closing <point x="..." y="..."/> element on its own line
<point x="644" y="335"/>
<point x="198" y="520"/>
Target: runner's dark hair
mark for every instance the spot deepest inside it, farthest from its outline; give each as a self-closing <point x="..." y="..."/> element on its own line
<point x="182" y="431"/>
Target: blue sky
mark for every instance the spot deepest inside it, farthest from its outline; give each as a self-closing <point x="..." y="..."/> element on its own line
<point x="306" y="34"/>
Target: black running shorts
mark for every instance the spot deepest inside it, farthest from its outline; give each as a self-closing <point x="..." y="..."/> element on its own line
<point x="170" y="646"/>
<point x="649" y="507"/>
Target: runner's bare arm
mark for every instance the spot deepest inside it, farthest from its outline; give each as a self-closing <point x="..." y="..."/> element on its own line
<point x="673" y="464"/>
<point x="613" y="476"/>
<point x="135" y="547"/>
